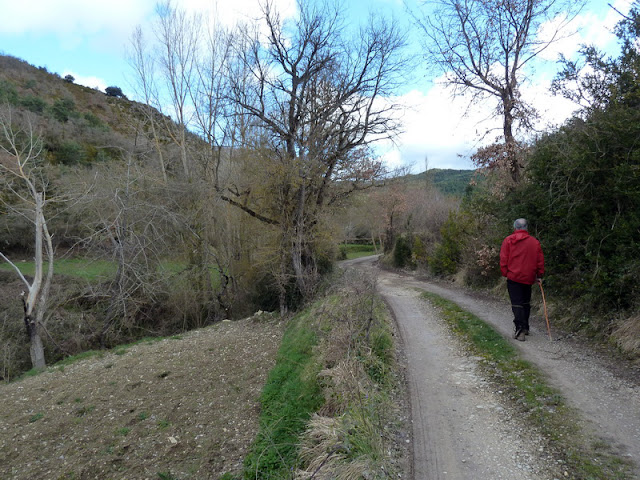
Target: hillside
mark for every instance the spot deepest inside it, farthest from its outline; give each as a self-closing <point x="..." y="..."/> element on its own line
<point x="79" y="125"/>
<point x="183" y="407"/>
<point x="448" y="181"/>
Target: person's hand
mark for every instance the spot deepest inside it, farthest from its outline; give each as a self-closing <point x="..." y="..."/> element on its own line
<point x="539" y="280"/>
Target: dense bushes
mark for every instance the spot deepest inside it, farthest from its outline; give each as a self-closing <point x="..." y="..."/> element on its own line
<point x="448" y="252"/>
<point x="583" y="193"/>
<point x="402" y="252"/>
<point x="580" y="194"/>
<point x="581" y="198"/>
<point x="441" y="254"/>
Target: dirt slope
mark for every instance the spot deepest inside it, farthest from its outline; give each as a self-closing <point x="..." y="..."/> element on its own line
<point x="445" y="390"/>
<point x="183" y="408"/>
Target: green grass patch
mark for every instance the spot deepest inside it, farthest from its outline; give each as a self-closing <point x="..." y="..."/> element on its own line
<point x="166" y="476"/>
<point x="82" y="411"/>
<point x="97" y="270"/>
<point x="539" y="404"/>
<point x="76" y="358"/>
<point x="118" y="350"/>
<point x="143" y="416"/>
<point x="72" y="267"/>
<point x="289" y="397"/>
<point x="30" y="373"/>
<point x="163" y="424"/>
<point x="349" y="251"/>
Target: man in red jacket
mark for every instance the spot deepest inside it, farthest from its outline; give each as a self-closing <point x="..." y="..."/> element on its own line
<point x="522" y="262"/>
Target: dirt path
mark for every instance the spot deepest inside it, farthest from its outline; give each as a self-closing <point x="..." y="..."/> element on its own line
<point x="459" y="429"/>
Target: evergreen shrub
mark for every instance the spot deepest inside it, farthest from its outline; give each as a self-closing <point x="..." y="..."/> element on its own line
<point x="448" y="252"/>
<point x="402" y="253"/>
<point x="34" y="104"/>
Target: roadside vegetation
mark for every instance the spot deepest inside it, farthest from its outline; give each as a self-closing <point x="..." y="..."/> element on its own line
<point x="203" y="202"/>
<point x="329" y="408"/>
<point x="537" y="403"/>
<point x="94" y="270"/>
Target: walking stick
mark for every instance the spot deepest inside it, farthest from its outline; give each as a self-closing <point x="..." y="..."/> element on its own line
<point x="544" y="303"/>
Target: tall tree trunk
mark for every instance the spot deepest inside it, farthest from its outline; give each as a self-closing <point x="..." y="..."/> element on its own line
<point x="37" y="349"/>
<point x="35" y="299"/>
<point x="509" y="140"/>
<point x="156" y="141"/>
<point x="183" y="152"/>
<point x="298" y="245"/>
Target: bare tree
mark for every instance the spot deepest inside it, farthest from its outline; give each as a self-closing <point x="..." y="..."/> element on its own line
<point x="315" y="95"/>
<point x="483" y="46"/>
<point x="209" y="93"/>
<point x="132" y="220"/>
<point x="144" y="66"/>
<point x="21" y="175"/>
<point x="177" y="35"/>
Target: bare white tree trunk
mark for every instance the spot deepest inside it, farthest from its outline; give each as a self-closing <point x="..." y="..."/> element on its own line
<point x="20" y="150"/>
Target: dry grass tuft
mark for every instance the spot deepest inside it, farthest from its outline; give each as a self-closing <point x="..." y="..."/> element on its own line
<point x="626" y="335"/>
<point x="342" y="386"/>
<point x="323" y="452"/>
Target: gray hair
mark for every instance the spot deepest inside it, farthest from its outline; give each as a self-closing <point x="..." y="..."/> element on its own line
<point x="520" y="224"/>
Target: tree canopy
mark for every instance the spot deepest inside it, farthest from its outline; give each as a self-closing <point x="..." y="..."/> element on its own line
<point x="483" y="46"/>
<point x="114" y="92"/>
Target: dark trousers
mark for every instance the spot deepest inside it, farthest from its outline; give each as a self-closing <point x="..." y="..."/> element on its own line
<point x="520" y="295"/>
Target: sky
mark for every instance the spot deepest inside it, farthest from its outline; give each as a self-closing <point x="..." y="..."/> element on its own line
<point x="89" y="40"/>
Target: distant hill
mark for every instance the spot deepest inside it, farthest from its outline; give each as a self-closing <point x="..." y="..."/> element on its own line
<point x="449" y="182"/>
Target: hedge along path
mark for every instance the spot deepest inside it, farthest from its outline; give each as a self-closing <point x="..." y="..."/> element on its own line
<point x="607" y="397"/>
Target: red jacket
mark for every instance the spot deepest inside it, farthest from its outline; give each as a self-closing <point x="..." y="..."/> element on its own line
<point x="521" y="258"/>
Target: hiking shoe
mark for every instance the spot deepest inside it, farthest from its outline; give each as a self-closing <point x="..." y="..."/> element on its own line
<point x="526" y="331"/>
<point x="516" y="332"/>
<point x="521" y="336"/>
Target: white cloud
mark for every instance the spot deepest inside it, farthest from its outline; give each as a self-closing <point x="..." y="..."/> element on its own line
<point x="441" y="128"/>
<point x="592" y="27"/>
<point x="553" y="110"/>
<point x="109" y="24"/>
<point x="71" y="18"/>
<point x="229" y="12"/>
<point x="392" y="158"/>
<point x="448" y="130"/>
<point x="87" y="81"/>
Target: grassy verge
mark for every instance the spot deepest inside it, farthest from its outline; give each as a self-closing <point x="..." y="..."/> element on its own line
<point x="539" y="404"/>
<point x="328" y="406"/>
<point x="289" y="397"/>
<point x="349" y="251"/>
